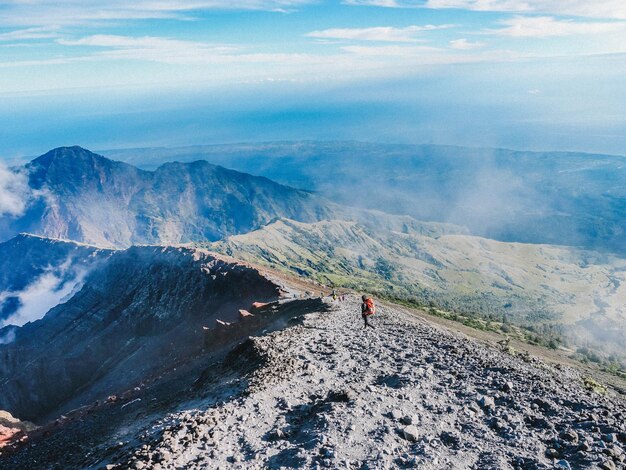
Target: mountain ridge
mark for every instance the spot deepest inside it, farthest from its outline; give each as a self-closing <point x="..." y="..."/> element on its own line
<point x="570" y="198"/>
<point x="141" y="303"/>
<point x="531" y="285"/>
<point x="83" y="196"/>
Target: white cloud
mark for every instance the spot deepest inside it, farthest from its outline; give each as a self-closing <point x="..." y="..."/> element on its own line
<point x="380" y="33"/>
<point x="65" y="12"/>
<point x="390" y="51"/>
<point x="42" y="32"/>
<point x="547" y="26"/>
<point x="14" y="192"/>
<point x="154" y="49"/>
<point x="464" y="45"/>
<point x="144" y="42"/>
<point x="44" y="293"/>
<point x="593" y="9"/>
<point x="376" y="3"/>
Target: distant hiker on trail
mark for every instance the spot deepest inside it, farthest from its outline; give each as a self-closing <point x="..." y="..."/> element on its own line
<point x="334" y="295"/>
<point x="367" y="308"/>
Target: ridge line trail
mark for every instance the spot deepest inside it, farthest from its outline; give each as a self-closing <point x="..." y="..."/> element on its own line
<point x="331" y="394"/>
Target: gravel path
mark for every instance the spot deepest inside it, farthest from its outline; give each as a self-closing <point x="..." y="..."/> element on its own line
<point x="327" y="393"/>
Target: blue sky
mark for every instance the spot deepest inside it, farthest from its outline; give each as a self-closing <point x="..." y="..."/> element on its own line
<point x="530" y="74"/>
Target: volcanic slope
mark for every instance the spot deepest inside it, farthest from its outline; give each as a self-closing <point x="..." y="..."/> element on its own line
<point x="82" y="196"/>
<point x="583" y="292"/>
<point x="325" y="392"/>
<point x="140" y="312"/>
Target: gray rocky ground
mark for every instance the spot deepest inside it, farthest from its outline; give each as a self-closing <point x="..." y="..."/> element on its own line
<point x="324" y="392"/>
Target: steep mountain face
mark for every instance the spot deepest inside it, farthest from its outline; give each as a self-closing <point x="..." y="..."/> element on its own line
<point x="86" y="197"/>
<point x="550" y="197"/>
<point x="140" y="312"/>
<point x="37" y="273"/>
<point x="583" y="292"/>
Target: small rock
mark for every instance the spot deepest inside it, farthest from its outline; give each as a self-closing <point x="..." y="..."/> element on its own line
<point x="497" y="424"/>
<point x="164" y="456"/>
<point x="570" y="436"/>
<point x="610" y="452"/>
<point x="507" y="387"/>
<point x="396" y="414"/>
<point x="552" y="453"/>
<point x="410" y="433"/>
<point x="328" y="452"/>
<point x="610" y="438"/>
<point x="563" y="464"/>
<point x="487" y="402"/>
<point x="607" y="465"/>
<point x="407" y="420"/>
<point x="585" y="447"/>
<point x="279" y="434"/>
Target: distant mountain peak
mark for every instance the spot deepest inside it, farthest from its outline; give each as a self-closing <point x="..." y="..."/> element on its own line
<point x="74" y="153"/>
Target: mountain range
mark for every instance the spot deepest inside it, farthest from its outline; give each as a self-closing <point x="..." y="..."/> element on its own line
<point x="140" y="293"/>
<point x="82" y="196"/>
<point x="85" y="197"/>
<point x="562" y="198"/>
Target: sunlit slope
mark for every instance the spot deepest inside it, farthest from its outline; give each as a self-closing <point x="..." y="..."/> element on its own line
<point x="562" y="198"/>
<point x="529" y="284"/>
<point x="81" y="196"/>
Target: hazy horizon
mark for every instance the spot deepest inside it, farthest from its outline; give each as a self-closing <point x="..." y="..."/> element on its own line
<point x="533" y="75"/>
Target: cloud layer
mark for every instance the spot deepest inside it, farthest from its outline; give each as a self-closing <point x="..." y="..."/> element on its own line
<point x="66" y="12"/>
<point x="14" y="192"/>
<point x="546" y="26"/>
<point x="381" y="33"/>
<point x="44" y="293"/>
<point x="597" y="9"/>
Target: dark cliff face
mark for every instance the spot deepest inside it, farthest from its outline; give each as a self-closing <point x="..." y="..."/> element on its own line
<point x="86" y="197"/>
<point x="139" y="313"/>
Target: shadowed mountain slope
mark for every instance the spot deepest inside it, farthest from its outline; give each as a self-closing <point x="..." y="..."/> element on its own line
<point x="139" y="313"/>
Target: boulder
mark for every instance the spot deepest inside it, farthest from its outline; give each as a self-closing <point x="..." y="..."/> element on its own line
<point x="487" y="402"/>
<point x="410" y="433"/>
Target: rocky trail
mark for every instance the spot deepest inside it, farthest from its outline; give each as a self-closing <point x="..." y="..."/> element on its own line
<point x="325" y="393"/>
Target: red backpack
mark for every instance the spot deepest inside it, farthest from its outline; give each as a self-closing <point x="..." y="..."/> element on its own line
<point x="371" y="308"/>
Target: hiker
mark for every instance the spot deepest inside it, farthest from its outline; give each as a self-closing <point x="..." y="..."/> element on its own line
<point x="334" y="295"/>
<point x="367" y="308"/>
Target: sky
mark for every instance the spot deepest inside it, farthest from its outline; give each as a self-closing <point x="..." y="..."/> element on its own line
<point x="524" y="74"/>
